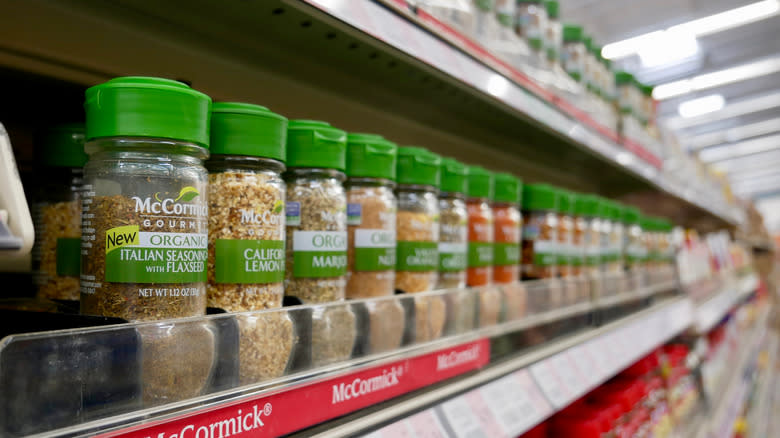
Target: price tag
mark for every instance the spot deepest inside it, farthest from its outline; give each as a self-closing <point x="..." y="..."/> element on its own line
<point x="489" y="424"/>
<point x="427" y="425"/>
<point x="597" y="351"/>
<point x="400" y="429"/>
<point x="570" y="376"/>
<point x="507" y="400"/>
<point x="581" y="357"/>
<point x="551" y="384"/>
<point x="461" y="418"/>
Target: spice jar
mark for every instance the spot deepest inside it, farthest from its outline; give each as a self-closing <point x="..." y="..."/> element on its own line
<point x="579" y="228"/>
<point x="453" y="233"/>
<point x="616" y="239"/>
<point x="573" y="52"/>
<point x="632" y="240"/>
<point x="480" y="256"/>
<point x="588" y="223"/>
<point x="624" y="82"/>
<point x="417" y="220"/>
<point x="247" y="233"/>
<point x="57" y="212"/>
<point x="531" y="22"/>
<point x="507" y="229"/>
<point x="540" y="224"/>
<point x="316" y="212"/>
<point x="565" y="243"/>
<point x="553" y="35"/>
<point x="371" y="215"/>
<point x="145" y="215"/>
<point x="417" y="225"/>
<point x="246" y="207"/>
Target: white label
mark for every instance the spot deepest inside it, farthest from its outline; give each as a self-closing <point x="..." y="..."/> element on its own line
<point x="462" y="418"/>
<point x="453" y="247"/>
<point x="374" y="238"/>
<point x="172" y="240"/>
<point x="319" y="241"/>
<point x="550" y="383"/>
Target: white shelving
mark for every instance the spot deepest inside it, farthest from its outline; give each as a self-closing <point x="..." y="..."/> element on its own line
<point x="715" y="308"/>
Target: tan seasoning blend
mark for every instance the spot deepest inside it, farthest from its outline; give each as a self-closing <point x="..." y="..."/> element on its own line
<point x="453" y="225"/>
<point x="246" y="233"/>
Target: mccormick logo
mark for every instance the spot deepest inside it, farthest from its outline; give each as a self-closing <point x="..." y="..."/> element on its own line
<point x="268" y="217"/>
<point x="452" y="359"/>
<point x="171" y="206"/>
<point x="242" y="422"/>
<point x="360" y="387"/>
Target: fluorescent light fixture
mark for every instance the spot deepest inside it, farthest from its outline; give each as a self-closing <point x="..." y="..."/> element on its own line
<point x="703" y="26"/>
<point x="741" y="107"/>
<point x="669" y="47"/>
<point x="733" y="134"/>
<point x="497" y="85"/>
<point x="701" y="106"/>
<point x="718" y="78"/>
<point x="735" y="150"/>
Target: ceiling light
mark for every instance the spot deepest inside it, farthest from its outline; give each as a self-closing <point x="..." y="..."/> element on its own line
<point x="669" y="47"/>
<point x="717" y="79"/>
<point x="703" y="26"/>
<point x="739" y="108"/>
<point x="748" y="147"/>
<point x="733" y="134"/>
<point x="702" y="105"/>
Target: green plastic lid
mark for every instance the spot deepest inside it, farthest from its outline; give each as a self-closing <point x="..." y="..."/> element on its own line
<point x="565" y="202"/>
<point x="508" y="188"/>
<point x="315" y="144"/>
<point x="572" y="33"/>
<point x="418" y="165"/>
<point x="481" y="183"/>
<point x="647" y="90"/>
<point x="605" y="209"/>
<point x="623" y="78"/>
<point x="552" y="9"/>
<point x="631" y="215"/>
<point x="587" y="205"/>
<point x="61" y="146"/>
<point x="539" y="197"/>
<point x="137" y="106"/>
<point x="617" y="212"/>
<point x="454" y="176"/>
<point x="588" y="40"/>
<point x="371" y="156"/>
<point x="246" y="129"/>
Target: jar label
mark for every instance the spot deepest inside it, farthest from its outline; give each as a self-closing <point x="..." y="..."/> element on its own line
<point x="480" y="254"/>
<point x="134" y="256"/>
<point x="248" y="261"/>
<point x="319" y="254"/>
<point x="452" y="256"/>
<point x="417" y="256"/>
<point x="374" y="249"/>
<point x="354" y="214"/>
<point x="506" y="254"/>
<point x="68" y="254"/>
<point x="292" y="211"/>
<point x="539" y="252"/>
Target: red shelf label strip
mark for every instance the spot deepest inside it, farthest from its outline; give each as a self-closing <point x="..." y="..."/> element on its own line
<point x="304" y="406"/>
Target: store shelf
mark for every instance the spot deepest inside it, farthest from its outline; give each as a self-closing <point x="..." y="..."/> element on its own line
<point x="761" y="412"/>
<point x="712" y="311"/>
<point x="363" y="66"/>
<point x="508" y="399"/>
<point x="726" y="406"/>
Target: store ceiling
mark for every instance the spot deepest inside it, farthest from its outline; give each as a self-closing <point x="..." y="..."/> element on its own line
<point x="745" y="133"/>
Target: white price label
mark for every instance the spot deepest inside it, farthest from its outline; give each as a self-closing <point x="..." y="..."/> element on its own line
<point x="462" y="418"/>
<point x="571" y="377"/>
<point x="507" y="400"/>
<point x="544" y="374"/>
<point x="580" y="355"/>
<point x="426" y="425"/>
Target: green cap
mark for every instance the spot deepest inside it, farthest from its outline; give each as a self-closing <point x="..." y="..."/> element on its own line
<point x="631" y="215"/>
<point x="572" y="33"/>
<point x="61" y="146"/>
<point x="647" y="90"/>
<point x="617" y="212"/>
<point x="587" y="205"/>
<point x="588" y="40"/>
<point x="539" y="197"/>
<point x="371" y="156"/>
<point x="552" y="9"/>
<point x="137" y="106"/>
<point x="480" y="183"/>
<point x="623" y="78"/>
<point x="419" y="166"/>
<point x="454" y="176"/>
<point x="605" y="209"/>
<point x="565" y="205"/>
<point x="508" y="188"/>
<point x="315" y="144"/>
<point x="246" y="129"/>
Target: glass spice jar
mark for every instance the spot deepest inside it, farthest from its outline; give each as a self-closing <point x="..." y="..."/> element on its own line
<point x="540" y="225"/>
<point x="316" y="212"/>
<point x="632" y="240"/>
<point x="579" y="227"/>
<point x="56" y="254"/>
<point x="453" y="225"/>
<point x="145" y="215"/>
<point x="531" y="22"/>
<point x="565" y="233"/>
<point x="417" y="222"/>
<point x="507" y="229"/>
<point x="587" y="208"/>
<point x="480" y="248"/>
<point x="624" y="82"/>
<point x="573" y="52"/>
<point x="246" y="207"/>
<point x="616" y="239"/>
<point x="371" y="216"/>
<point x="553" y="33"/>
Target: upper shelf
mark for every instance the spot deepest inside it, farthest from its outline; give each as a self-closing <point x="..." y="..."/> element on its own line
<point x="361" y="65"/>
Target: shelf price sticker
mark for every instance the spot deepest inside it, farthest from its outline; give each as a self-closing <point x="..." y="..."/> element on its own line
<point x="581" y="357"/>
<point x="461" y="418"/>
<point x="509" y="403"/>
<point x="570" y="375"/>
<point x="426" y="424"/>
<point x="550" y="383"/>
